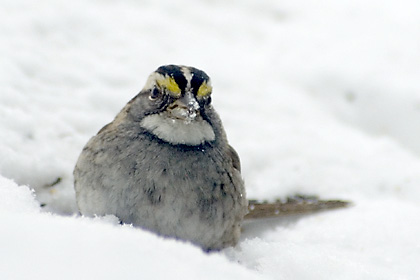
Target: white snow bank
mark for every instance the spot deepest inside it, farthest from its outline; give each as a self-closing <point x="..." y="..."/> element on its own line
<point x="16" y="199"/>
<point x="46" y="246"/>
<point x="369" y="241"/>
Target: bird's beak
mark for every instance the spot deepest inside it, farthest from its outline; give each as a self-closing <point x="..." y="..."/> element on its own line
<point x="184" y="108"/>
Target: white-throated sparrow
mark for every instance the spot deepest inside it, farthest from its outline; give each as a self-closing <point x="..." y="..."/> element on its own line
<point x="164" y="164"/>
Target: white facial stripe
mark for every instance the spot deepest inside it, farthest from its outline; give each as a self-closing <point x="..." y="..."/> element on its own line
<point x="151" y="81"/>
<point x="188" y="75"/>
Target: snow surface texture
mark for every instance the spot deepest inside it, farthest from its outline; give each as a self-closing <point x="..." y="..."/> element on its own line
<point x="317" y="97"/>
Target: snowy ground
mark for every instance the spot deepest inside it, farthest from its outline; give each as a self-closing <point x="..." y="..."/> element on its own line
<point x="318" y="97"/>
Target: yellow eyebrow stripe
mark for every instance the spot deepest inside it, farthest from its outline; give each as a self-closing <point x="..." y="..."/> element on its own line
<point x="170" y="84"/>
<point x="204" y="90"/>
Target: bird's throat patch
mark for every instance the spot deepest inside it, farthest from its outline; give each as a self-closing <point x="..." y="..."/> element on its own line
<point x="176" y="132"/>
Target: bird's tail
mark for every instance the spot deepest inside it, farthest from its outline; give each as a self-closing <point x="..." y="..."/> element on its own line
<point x="294" y="205"/>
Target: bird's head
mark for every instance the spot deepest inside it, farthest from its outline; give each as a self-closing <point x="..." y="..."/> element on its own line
<point x="174" y="105"/>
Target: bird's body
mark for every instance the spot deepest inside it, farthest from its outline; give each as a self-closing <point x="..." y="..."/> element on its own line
<point x="164" y="164"/>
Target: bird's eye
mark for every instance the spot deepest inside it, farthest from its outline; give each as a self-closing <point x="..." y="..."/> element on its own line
<point x="154" y="94"/>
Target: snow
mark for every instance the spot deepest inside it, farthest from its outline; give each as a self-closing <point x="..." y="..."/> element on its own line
<point x="317" y="98"/>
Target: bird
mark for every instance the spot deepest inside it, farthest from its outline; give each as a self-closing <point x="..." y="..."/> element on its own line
<point x="164" y="164"/>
